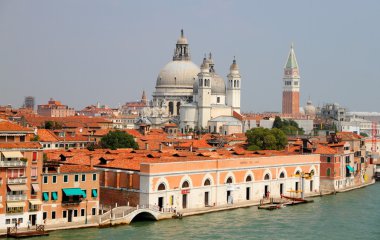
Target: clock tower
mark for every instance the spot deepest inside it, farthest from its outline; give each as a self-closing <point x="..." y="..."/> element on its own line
<point x="291" y="86"/>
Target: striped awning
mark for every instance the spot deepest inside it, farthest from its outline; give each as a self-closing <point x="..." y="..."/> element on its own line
<point x="35" y="201"/>
<point x="18" y="187"/>
<point x="36" y="187"/>
<point x="15" y="204"/>
<point x="14" y="154"/>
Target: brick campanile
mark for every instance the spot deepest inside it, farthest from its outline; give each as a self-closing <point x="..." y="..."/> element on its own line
<point x="291" y="87"/>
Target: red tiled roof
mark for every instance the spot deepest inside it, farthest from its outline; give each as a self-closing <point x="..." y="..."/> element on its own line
<point x="46" y="135"/>
<point x="15" y="145"/>
<point x="7" y="126"/>
<point x="76" y="169"/>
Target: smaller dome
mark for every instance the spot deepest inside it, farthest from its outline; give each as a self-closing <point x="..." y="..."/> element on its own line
<point x="182" y="40"/>
<point x="218" y="86"/>
<point x="234" y="66"/>
<point x="309" y="108"/>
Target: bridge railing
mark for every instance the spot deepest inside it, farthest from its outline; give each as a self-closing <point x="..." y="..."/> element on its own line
<point x="156" y="208"/>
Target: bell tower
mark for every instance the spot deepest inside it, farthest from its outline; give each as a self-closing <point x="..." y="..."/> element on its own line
<point x="233" y="87"/>
<point x="291" y="86"/>
<point x="204" y="93"/>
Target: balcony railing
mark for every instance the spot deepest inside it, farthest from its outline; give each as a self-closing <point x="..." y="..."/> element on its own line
<point x="18" y="197"/>
<point x="71" y="202"/>
<point x="12" y="164"/>
<point x="17" y="180"/>
<point x="34" y="209"/>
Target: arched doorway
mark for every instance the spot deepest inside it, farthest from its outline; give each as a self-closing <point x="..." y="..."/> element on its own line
<point x="229" y="191"/>
<point x="207" y="193"/>
<point x="161" y="187"/>
<point x="185" y="192"/>
<point x="248" y="188"/>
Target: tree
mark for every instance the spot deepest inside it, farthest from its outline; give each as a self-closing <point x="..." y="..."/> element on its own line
<point x="52" y="125"/>
<point x="289" y="127"/>
<point x="277" y="122"/>
<point x="118" y="139"/>
<point x="266" y="139"/>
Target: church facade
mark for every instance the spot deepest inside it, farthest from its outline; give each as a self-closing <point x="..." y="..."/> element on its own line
<point x="195" y="98"/>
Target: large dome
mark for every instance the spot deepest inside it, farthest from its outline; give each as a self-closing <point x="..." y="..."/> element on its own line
<point x="178" y="74"/>
<point x="218" y="86"/>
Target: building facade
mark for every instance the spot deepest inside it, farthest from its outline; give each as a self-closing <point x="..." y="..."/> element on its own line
<point x="196" y="184"/>
<point x="55" y="109"/>
<point x="69" y="194"/>
<point x="20" y="163"/>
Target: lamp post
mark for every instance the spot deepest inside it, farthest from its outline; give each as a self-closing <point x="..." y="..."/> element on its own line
<point x="86" y="211"/>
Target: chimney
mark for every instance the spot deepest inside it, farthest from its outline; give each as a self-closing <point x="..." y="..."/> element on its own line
<point x="46" y="169"/>
<point x="146" y="146"/>
<point x="160" y="147"/>
<point x="58" y="169"/>
<point x="191" y="147"/>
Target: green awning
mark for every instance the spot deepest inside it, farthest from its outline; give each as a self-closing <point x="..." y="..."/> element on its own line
<point x="351" y="169"/>
<point x="46" y="196"/>
<point x="54" y="195"/>
<point x="74" y="192"/>
<point x="94" y="192"/>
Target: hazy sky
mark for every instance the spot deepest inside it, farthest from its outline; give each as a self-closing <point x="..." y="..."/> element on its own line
<point x="82" y="52"/>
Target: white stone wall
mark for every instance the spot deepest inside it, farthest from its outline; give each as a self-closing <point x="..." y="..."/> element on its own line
<point x="218" y="193"/>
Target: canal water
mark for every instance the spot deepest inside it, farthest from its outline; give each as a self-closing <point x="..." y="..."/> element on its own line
<point x="350" y="215"/>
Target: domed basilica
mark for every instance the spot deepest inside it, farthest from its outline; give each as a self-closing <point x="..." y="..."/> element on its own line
<point x="196" y="98"/>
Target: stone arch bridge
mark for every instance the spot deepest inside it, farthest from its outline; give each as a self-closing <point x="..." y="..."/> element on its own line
<point x="126" y="214"/>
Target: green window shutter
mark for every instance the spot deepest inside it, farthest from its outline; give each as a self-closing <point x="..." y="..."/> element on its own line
<point x="54" y="195"/>
<point x="46" y="196"/>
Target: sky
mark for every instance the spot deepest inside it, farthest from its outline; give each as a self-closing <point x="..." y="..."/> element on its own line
<point x="89" y="51"/>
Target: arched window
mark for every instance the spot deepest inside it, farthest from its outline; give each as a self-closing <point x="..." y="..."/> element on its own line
<point x="298" y="172"/>
<point x="328" y="172"/>
<point x="282" y="175"/>
<point x="161" y="187"/>
<point x="248" y="178"/>
<point x="229" y="180"/>
<point x="178" y="107"/>
<point x="207" y="182"/>
<point x="171" y="107"/>
<point x="267" y="177"/>
<point x="185" y="184"/>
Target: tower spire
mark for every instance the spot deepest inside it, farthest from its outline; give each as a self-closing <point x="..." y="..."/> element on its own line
<point x="292" y="60"/>
<point x="181" y="52"/>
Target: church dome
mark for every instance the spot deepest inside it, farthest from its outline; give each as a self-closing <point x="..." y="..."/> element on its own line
<point x="178" y="74"/>
<point x="309" y="109"/>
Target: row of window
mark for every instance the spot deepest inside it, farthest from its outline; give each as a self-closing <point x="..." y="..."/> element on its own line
<point x="66" y="178"/>
<point x="65" y="213"/>
<point x="54" y="195"/>
<point x="14" y="221"/>
<point x="207" y="182"/>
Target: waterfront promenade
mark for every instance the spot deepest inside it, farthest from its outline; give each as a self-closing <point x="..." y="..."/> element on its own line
<point x="351" y="215"/>
<point x="185" y="213"/>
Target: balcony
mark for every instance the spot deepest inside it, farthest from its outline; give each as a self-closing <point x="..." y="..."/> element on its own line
<point x="34" y="208"/>
<point x="71" y="202"/>
<point x="13" y="163"/>
<point x="17" y="197"/>
<point x="17" y="180"/>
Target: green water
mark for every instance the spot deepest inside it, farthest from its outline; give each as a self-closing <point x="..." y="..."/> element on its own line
<point x="351" y="215"/>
